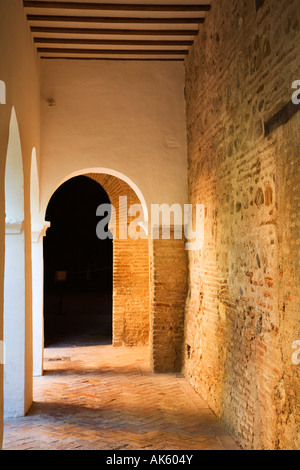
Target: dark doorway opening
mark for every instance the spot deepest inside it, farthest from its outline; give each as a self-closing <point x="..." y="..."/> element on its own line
<point x="77" y="267"/>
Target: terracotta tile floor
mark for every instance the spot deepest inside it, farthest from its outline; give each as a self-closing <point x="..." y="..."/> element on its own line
<point x="100" y="397"/>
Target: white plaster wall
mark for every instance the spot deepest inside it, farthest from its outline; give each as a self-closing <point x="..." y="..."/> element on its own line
<point x="38" y="305"/>
<point x="125" y="116"/>
<point x="19" y="70"/>
<point x="37" y="232"/>
<point x="14" y="179"/>
<point x="14" y="280"/>
<point x="14" y="325"/>
<point x="34" y="193"/>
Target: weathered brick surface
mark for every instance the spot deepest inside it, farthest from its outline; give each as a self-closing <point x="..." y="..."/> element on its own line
<point x="242" y="313"/>
<point x="130" y="292"/>
<point x="130" y="271"/>
<point x="168" y="288"/>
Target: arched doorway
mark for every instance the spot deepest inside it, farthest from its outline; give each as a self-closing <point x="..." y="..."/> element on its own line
<point x="131" y="263"/>
<point x="78" y="267"/>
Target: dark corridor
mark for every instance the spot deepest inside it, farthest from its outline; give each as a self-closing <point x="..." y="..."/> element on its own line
<point x="77" y="267"/>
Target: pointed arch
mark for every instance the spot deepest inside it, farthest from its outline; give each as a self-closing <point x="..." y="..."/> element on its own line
<point x="113" y="173"/>
<point x="14" y="178"/>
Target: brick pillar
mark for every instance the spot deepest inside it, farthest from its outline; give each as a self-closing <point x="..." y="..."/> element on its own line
<point x="168" y="290"/>
<point x="130" y="293"/>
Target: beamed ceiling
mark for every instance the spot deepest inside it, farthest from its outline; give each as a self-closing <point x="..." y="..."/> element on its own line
<point x="145" y="30"/>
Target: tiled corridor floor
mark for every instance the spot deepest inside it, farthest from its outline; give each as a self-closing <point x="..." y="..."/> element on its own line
<point x="100" y="397"/>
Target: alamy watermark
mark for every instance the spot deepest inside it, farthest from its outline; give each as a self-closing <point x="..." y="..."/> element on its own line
<point x="296" y="94"/>
<point x="166" y="222"/>
<point x="296" y="354"/>
<point x="2" y="352"/>
<point x="2" y="92"/>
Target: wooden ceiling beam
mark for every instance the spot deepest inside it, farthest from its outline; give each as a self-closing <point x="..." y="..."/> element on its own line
<point x="125" y="20"/>
<point x="112" y="42"/>
<point x="115" y="32"/>
<point x="149" y="59"/>
<point x="116" y="6"/>
<point x="54" y="50"/>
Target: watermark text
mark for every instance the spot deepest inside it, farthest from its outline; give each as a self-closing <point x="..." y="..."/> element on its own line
<point x="2" y="92"/>
<point x="177" y="222"/>
<point x="2" y="352"/>
<point x="296" y="355"/>
<point x="296" y="94"/>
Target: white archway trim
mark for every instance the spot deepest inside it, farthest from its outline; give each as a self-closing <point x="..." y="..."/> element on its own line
<point x="117" y="174"/>
<point x="38" y="299"/>
<point x="34" y="193"/>
<point x="14" y="178"/>
<point x="40" y="233"/>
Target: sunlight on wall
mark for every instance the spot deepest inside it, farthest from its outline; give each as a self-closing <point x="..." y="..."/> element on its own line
<point x="14" y="181"/>
<point x="14" y="284"/>
<point x="34" y="191"/>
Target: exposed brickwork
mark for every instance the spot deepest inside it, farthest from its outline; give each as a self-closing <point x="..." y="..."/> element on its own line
<point x="242" y="313"/>
<point x="168" y="288"/>
<point x="131" y="292"/>
<point x="130" y="273"/>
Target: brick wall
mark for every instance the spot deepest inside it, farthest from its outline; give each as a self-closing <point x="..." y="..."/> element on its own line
<point x="242" y="312"/>
<point x="130" y="292"/>
<point x="168" y="288"/>
<point x="130" y="272"/>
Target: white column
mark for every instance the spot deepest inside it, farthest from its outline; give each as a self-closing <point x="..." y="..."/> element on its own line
<point x="38" y="300"/>
<point x="14" y="320"/>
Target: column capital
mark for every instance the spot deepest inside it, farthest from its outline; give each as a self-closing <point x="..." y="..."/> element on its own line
<point x="14" y="227"/>
<point x="38" y="233"/>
